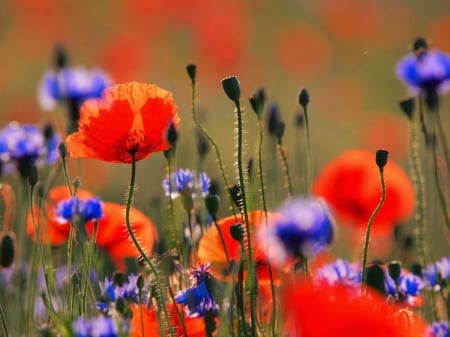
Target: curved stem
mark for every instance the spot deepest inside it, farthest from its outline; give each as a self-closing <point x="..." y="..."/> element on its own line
<point x="369" y="226"/>
<point x="150" y="264"/>
<point x="286" y="168"/>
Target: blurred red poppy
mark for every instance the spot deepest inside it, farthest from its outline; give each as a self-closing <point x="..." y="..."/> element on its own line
<point x="112" y="234"/>
<point x="351" y="186"/>
<point x="130" y="117"/>
<point x="195" y="326"/>
<point x="312" y="311"/>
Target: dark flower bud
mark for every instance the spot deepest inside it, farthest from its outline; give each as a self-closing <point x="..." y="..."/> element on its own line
<point x="172" y="134"/>
<point x="203" y="146"/>
<point x="192" y="72"/>
<point x="33" y="176"/>
<point x="303" y="98"/>
<point x="212" y="203"/>
<point x="416" y="269"/>
<point x="122" y="307"/>
<point x="280" y="130"/>
<point x="237" y="232"/>
<point x="232" y="88"/>
<point x="48" y="131"/>
<point x="60" y="58"/>
<point x="257" y="101"/>
<point x="140" y="282"/>
<point x="119" y="279"/>
<point x="76" y="183"/>
<point x="236" y="194"/>
<point x="381" y="158"/>
<point x="62" y="149"/>
<point x="395" y="269"/>
<point x="375" y="278"/>
<point x="75" y="279"/>
<point x="7" y="249"/>
<point x="419" y="45"/>
<point x="214" y="187"/>
<point x="273" y="119"/>
<point x="408" y="106"/>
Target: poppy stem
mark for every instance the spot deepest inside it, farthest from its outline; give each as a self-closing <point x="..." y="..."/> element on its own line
<point x="160" y="298"/>
<point x="309" y="159"/>
<point x="285" y="163"/>
<point x="369" y="226"/>
<point x="3" y="319"/>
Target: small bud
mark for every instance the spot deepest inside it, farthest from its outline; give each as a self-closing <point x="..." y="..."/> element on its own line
<point x="237" y="232"/>
<point x="408" y="106"/>
<point x="273" y="119"/>
<point x="48" y="131"/>
<point x="381" y="158"/>
<point x="280" y="130"/>
<point x="76" y="183"/>
<point x="203" y="146"/>
<point x="119" y="279"/>
<point x="140" y="282"/>
<point x="192" y="72"/>
<point x="60" y="58"/>
<point x="419" y="45"/>
<point x="303" y="98"/>
<point x="214" y="187"/>
<point x="232" y="88"/>
<point x="257" y="101"/>
<point x="416" y="269"/>
<point x="375" y="278"/>
<point x="172" y="134"/>
<point x="62" y="149"/>
<point x="212" y="203"/>
<point x="33" y="176"/>
<point x="395" y="269"/>
<point x="7" y="249"/>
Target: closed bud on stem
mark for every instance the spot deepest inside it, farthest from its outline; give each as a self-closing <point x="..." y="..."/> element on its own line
<point x="140" y="282"/>
<point x="381" y="158"/>
<point x="408" y="106"/>
<point x="172" y="134"/>
<point x="60" y="58"/>
<point x="7" y="249"/>
<point x="303" y="98"/>
<point x="375" y="278"/>
<point x="237" y="232"/>
<point x="62" y="150"/>
<point x="212" y="203"/>
<point x="192" y="71"/>
<point x="395" y="269"/>
<point x="33" y="177"/>
<point x="232" y="88"/>
<point x="419" y="45"/>
<point x="280" y="130"/>
<point x="257" y="101"/>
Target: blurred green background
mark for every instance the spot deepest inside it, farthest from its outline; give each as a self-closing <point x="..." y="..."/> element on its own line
<point x="342" y="51"/>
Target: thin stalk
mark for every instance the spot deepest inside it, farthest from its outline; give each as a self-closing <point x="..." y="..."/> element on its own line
<point x="443" y="139"/>
<point x="66" y="175"/>
<point x="441" y="196"/>
<point x="251" y="266"/>
<point x="310" y="166"/>
<point x="286" y="168"/>
<point x="150" y="264"/>
<point x="369" y="226"/>
<point x="216" y="149"/>
<point x="222" y="240"/>
<point x="3" y="319"/>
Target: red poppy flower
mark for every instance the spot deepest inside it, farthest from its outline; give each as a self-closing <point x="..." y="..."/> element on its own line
<point x="112" y="234"/>
<point x="130" y="117"/>
<point x="195" y="326"/>
<point x="341" y="312"/>
<point x="351" y="186"/>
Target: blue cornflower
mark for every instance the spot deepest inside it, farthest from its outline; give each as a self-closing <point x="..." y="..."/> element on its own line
<point x="426" y="71"/>
<point x="437" y="274"/>
<point x="186" y="181"/>
<point x="443" y="266"/>
<point x="25" y="146"/>
<point x="408" y="288"/>
<point x="339" y="272"/>
<point x="128" y="291"/>
<point x="75" y="209"/>
<point x="100" y="326"/>
<point x="438" y="329"/>
<point x="73" y="84"/>
<point x="303" y="230"/>
<point x="198" y="298"/>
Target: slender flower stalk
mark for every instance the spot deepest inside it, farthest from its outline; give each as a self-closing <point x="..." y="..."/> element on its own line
<point x="304" y="101"/>
<point x="287" y="173"/>
<point x="381" y="160"/>
<point x="160" y="297"/>
<point x="3" y="319"/>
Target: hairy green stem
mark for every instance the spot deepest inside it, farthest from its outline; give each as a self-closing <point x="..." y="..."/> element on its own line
<point x="310" y="166"/>
<point x="3" y="319"/>
<point x="286" y="168"/>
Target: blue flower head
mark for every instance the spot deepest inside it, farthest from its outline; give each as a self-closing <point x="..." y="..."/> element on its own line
<point x="186" y="181"/>
<point x="304" y="229"/>
<point x="74" y="84"/>
<point x="339" y="272"/>
<point x="69" y="209"/>
<point x="438" y="329"/>
<point x="100" y="326"/>
<point x="25" y="146"/>
<point x="427" y="71"/>
<point x="408" y="288"/>
<point x="198" y="299"/>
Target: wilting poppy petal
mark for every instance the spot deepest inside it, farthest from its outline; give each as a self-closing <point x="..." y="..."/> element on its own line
<point x="339" y="311"/>
<point x="351" y="186"/>
<point x="130" y="117"/>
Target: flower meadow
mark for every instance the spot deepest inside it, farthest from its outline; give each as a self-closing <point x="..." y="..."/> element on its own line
<point x="258" y="249"/>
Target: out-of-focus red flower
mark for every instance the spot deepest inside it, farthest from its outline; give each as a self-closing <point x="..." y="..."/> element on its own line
<point x="312" y="311"/>
<point x="130" y="117"/>
<point x="195" y="326"/>
<point x="437" y="32"/>
<point x="351" y="186"/>
<point x="112" y="234"/>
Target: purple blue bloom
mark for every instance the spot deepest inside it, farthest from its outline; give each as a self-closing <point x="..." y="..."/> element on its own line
<point x="198" y="299"/>
<point x="426" y="70"/>
<point x="74" y="84"/>
<point x="25" y="146"/>
<point x="305" y="229"/>
<point x="128" y="291"/>
<point x="100" y="326"/>
<point x="91" y="209"/>
<point x="186" y="181"/>
<point x="408" y="288"/>
<point x="339" y="272"/>
<point x="438" y="329"/>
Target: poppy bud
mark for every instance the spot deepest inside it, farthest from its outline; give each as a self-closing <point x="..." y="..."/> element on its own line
<point x="408" y="106"/>
<point x="172" y="134"/>
<point x="60" y="58"/>
<point x="237" y="232"/>
<point x="395" y="269"/>
<point x="273" y="120"/>
<point x="419" y="44"/>
<point x="212" y="203"/>
<point x="48" y="131"/>
<point x="62" y="149"/>
<point x="257" y="101"/>
<point x="140" y="282"/>
<point x="7" y="249"/>
<point x="303" y="98"/>
<point x="381" y="158"/>
<point x="192" y="71"/>
<point x="232" y="88"/>
<point x="33" y="176"/>
<point x="375" y="278"/>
